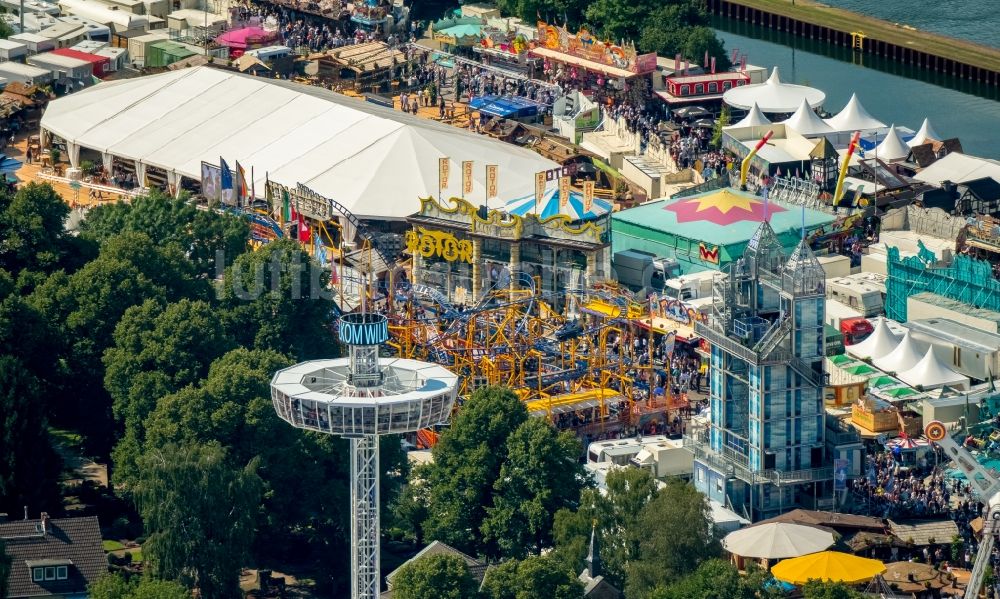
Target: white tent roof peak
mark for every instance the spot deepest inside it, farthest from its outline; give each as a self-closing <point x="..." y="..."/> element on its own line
<point x="878" y="344"/>
<point x="906" y="355"/>
<point x="925" y="133"/>
<point x="754" y="118"/>
<point x="931" y="373"/>
<point x="806" y="121"/>
<point x="892" y="147"/>
<point x="854" y="117"/>
<point x="773" y="96"/>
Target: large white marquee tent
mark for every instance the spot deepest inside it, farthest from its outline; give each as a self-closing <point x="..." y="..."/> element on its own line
<point x="773" y="96"/>
<point x="373" y="160"/>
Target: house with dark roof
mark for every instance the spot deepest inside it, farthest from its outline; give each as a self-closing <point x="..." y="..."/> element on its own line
<point x="476" y="567"/>
<point x="53" y="557"/>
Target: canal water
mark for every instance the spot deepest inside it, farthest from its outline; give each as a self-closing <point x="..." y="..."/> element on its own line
<point x="891" y="91"/>
<point x="971" y="20"/>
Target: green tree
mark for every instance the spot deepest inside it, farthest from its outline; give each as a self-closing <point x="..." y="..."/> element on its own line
<point x="409" y="511"/>
<point x="615" y="515"/>
<point x="720" y="124"/>
<point x="467" y="462"/>
<point x="816" y="589"/>
<point x="679" y="537"/>
<point x="275" y="299"/>
<point x="173" y="220"/>
<point x="534" y="576"/>
<point x="29" y="467"/>
<point x="540" y="475"/>
<point x="718" y="579"/>
<point x="435" y="577"/>
<point x="199" y="514"/>
<point x="116" y="586"/>
<point x="31" y="228"/>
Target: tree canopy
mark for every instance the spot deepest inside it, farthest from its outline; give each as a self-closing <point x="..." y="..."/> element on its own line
<point x="116" y="586"/>
<point x="534" y="576"/>
<point x="438" y="576"/>
<point x="199" y="514"/>
<point x="498" y="478"/>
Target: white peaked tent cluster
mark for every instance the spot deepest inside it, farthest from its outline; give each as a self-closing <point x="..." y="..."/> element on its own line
<point x="903" y="357"/>
<point x="892" y="147"/>
<point x="773" y="96"/>
<point x="854" y="117"/>
<point x="925" y="134"/>
<point x="878" y="344"/>
<point x="931" y="373"/>
<point x="906" y="355"/>
<point x="807" y="122"/>
<point x="754" y="118"/>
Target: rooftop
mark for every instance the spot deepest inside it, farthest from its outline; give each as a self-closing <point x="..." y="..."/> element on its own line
<point x="956" y="332"/>
<point x="73" y="542"/>
<point x="925" y="532"/>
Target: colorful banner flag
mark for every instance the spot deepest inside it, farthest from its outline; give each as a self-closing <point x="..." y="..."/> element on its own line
<point x="466" y="178"/>
<point x="304" y="231"/>
<point x="713" y="65"/>
<point x="705" y="64"/>
<point x="588" y="195"/>
<point x="491" y="181"/>
<point x="677" y="62"/>
<point x="242" y="191"/>
<point x="563" y="193"/>
<point x="286" y="207"/>
<point x="226" y="181"/>
<point x="539" y="189"/>
<point x="444" y="169"/>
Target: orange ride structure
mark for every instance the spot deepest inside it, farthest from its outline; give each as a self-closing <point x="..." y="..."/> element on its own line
<point x="580" y="369"/>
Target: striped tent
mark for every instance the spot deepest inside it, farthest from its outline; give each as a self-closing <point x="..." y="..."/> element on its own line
<point x="549" y="206"/>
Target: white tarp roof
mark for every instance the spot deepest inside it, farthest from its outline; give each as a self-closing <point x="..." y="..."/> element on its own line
<point x="773" y="96"/>
<point x="375" y="161"/>
<point x="854" y="117"/>
<point x="959" y="168"/>
<point x="806" y="121"/>
<point x="777" y="540"/>
<point x="754" y="118"/>
<point x="892" y="148"/>
<point x="925" y="133"/>
<point x="878" y="344"/>
<point x="931" y="373"/>
<point x="906" y="355"/>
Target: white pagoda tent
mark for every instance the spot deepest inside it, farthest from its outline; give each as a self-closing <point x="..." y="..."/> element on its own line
<point x="906" y="355"/>
<point x="925" y="134"/>
<point x="878" y="344"/>
<point x="773" y="96"/>
<point x="854" y="117"/>
<point x="754" y="118"/>
<point x="806" y="121"/>
<point x="931" y="373"/>
<point x="892" y="148"/>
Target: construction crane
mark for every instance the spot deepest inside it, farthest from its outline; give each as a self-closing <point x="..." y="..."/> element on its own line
<point x="986" y="486"/>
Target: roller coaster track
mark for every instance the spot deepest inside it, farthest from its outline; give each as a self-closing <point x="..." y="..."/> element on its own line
<point x="361" y="230"/>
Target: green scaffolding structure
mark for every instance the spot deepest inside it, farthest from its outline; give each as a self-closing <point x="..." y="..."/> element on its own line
<point x="967" y="280"/>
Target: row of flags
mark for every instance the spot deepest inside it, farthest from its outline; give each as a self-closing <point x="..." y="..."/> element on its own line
<point x="289" y="214"/>
<point x="444" y="176"/>
<point x="243" y="194"/>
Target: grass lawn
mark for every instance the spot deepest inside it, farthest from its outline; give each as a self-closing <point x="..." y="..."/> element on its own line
<point x="112" y="545"/>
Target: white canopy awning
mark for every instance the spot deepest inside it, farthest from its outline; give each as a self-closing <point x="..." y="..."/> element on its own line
<point x="773" y="96"/>
<point x="806" y="121"/>
<point x="892" y="148"/>
<point x="931" y="373"/>
<point x="906" y="355"/>
<point x="777" y="540"/>
<point x="373" y="160"/>
<point x="754" y="118"/>
<point x="878" y="344"/>
<point x="854" y="117"/>
<point x="925" y="134"/>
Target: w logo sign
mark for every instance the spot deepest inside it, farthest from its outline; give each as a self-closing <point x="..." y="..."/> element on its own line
<point x="709" y="254"/>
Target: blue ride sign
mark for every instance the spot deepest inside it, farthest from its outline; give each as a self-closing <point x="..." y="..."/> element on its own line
<point x="364" y="329"/>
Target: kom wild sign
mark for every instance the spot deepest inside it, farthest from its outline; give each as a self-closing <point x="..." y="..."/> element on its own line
<point x="363" y="329"/>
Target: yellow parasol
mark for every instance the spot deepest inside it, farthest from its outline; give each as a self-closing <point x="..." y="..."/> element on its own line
<point x="827" y="565"/>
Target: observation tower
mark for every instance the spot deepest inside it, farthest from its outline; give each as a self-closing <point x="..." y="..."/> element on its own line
<point x="359" y="398"/>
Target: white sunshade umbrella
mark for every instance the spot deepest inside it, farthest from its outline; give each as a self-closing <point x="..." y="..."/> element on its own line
<point x="777" y="540"/>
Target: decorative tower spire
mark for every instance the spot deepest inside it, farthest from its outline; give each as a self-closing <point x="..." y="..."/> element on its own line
<point x="594" y="554"/>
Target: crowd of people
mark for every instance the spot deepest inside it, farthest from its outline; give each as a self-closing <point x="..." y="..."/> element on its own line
<point x="892" y="490"/>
